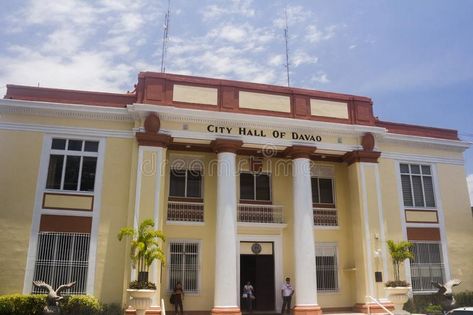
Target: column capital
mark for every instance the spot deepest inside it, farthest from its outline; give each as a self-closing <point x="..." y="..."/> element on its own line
<point x="226" y="145"/>
<point x="153" y="139"/>
<point x="300" y="151"/>
<point x="361" y="156"/>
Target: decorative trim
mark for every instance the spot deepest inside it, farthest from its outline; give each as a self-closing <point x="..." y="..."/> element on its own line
<point x="447" y="143"/>
<point x="361" y="156"/>
<point x="169" y="113"/>
<point x="226" y="145"/>
<point x="153" y="139"/>
<point x="426" y="222"/>
<point x="152" y="123"/>
<point x="64" y="110"/>
<point x="68" y="131"/>
<point x="300" y="151"/>
<point x="421" y="158"/>
<point x="65" y="208"/>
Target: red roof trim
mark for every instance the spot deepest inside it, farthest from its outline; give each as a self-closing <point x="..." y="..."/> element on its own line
<point x="415" y="130"/>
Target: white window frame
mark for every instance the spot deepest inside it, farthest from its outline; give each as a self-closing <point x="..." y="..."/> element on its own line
<point x="254" y="186"/>
<point x="66" y="152"/>
<point x="434" y="186"/>
<point x="186" y="170"/>
<point x="199" y="259"/>
<point x="38" y="209"/>
<point x="334" y="247"/>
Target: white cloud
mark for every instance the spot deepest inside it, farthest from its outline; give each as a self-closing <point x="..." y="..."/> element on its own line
<point x="235" y="7"/>
<point x="301" y="57"/>
<point x="316" y="35"/>
<point x="469" y="180"/>
<point x="276" y="60"/>
<point x="295" y="14"/>
<point x="320" y="77"/>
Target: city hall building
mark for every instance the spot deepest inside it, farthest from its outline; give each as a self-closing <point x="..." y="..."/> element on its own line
<point x="249" y="182"/>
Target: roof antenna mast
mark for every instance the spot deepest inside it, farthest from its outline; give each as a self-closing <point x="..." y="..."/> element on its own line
<point x="165" y="37"/>
<point x="286" y="38"/>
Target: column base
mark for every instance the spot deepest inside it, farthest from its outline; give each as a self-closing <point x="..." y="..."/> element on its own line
<point x="307" y="310"/>
<point x="225" y="311"/>
<point x="130" y="311"/>
<point x="373" y="308"/>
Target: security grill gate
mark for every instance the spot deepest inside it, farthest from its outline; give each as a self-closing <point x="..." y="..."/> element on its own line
<point x="326" y="267"/>
<point x="184" y="265"/>
<point x="427" y="266"/>
<point x="62" y="258"/>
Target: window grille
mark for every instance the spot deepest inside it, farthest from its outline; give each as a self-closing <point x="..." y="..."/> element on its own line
<point x="255" y="186"/>
<point x="62" y="258"/>
<point x="184" y="265"/>
<point x="417" y="185"/>
<point x="326" y="267"/>
<point x="427" y="266"/>
<point x="72" y="165"/>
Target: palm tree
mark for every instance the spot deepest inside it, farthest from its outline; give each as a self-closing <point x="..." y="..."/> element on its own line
<point x="399" y="252"/>
<point x="145" y="247"/>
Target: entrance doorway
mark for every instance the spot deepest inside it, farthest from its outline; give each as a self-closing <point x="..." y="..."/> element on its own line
<point x="257" y="266"/>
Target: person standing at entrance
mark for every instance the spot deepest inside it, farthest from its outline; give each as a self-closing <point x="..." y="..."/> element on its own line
<point x="287" y="291"/>
<point x="248" y="296"/>
<point x="178" y="297"/>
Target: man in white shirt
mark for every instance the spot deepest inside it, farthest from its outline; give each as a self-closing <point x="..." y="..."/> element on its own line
<point x="287" y="291"/>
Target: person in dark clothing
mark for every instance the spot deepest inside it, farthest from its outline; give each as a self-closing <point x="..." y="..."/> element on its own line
<point x="178" y="298"/>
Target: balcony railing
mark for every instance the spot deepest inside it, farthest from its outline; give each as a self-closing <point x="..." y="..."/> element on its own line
<point x="325" y="217"/>
<point x="183" y="211"/>
<point x="260" y="213"/>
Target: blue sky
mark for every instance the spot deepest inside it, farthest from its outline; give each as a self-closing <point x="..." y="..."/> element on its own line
<point x="413" y="58"/>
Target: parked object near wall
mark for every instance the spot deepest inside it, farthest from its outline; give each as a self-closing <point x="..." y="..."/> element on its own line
<point x="445" y="292"/>
<point x="53" y="297"/>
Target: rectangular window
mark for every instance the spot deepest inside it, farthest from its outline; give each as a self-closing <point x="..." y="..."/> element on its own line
<point x="417" y="185"/>
<point x="255" y="186"/>
<point x="185" y="183"/>
<point x="326" y="267"/>
<point x="62" y="258"/>
<point x="183" y="265"/>
<point x="427" y="266"/>
<point x="322" y="192"/>
<point x="72" y="165"/>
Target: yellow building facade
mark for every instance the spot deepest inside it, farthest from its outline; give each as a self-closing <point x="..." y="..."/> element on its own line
<point x="249" y="182"/>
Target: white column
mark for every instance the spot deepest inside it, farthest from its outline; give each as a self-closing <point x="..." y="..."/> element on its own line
<point x="226" y="232"/>
<point x="304" y="246"/>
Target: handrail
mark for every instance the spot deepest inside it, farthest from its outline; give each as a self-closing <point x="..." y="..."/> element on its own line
<point x="379" y="304"/>
<point x="163" y="309"/>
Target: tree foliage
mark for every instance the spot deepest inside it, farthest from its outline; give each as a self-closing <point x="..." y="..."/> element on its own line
<point x="399" y="252"/>
<point x="145" y="244"/>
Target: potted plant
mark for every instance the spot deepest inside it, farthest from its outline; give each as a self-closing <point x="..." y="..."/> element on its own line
<point x="398" y="290"/>
<point x="145" y="249"/>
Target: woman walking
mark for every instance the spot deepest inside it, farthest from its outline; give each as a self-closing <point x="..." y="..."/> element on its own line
<point x="248" y="296"/>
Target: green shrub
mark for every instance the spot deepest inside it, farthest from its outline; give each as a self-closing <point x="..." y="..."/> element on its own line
<point x="17" y="304"/>
<point x="434" y="309"/>
<point x="81" y="305"/>
<point x="464" y="298"/>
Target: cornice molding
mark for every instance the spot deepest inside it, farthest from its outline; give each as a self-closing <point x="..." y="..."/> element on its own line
<point x="8" y="106"/>
<point x="421" y="158"/>
<point x="170" y="113"/>
<point x="300" y="151"/>
<point x="425" y="141"/>
<point x="226" y="145"/>
<point x="95" y="132"/>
